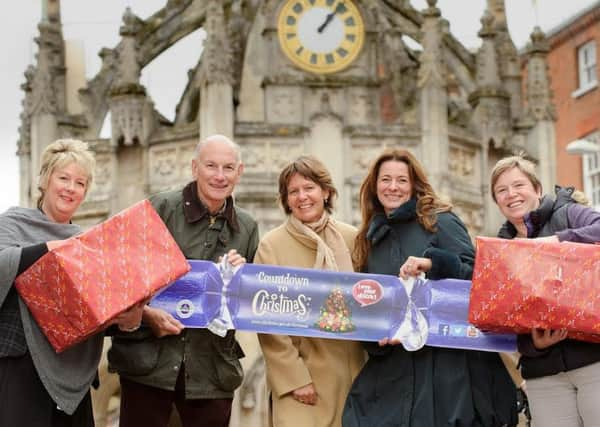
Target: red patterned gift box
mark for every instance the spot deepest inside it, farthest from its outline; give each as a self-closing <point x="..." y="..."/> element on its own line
<point x="75" y="289"/>
<point x="523" y="284"/>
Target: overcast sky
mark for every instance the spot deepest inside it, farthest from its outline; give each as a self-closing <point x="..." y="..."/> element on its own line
<point x="96" y="24"/>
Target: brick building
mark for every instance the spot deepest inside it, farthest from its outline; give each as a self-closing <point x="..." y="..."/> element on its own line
<point x="574" y="71"/>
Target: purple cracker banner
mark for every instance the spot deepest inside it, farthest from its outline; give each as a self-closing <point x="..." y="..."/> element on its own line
<point x="326" y="304"/>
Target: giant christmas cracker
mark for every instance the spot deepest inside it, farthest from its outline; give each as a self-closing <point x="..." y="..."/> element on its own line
<point x="74" y="290"/>
<point x="339" y="305"/>
<point x="523" y="284"/>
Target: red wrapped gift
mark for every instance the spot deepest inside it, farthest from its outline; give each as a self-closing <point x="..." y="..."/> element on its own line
<point x="74" y="290"/>
<point x="523" y="284"/>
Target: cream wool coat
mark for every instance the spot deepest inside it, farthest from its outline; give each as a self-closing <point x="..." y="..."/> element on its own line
<point x="292" y="362"/>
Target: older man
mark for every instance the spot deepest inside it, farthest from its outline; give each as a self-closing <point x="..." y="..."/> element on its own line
<point x="162" y="364"/>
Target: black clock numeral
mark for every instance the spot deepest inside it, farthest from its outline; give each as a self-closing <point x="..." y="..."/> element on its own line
<point x="341" y="8"/>
<point x="329" y="58"/>
<point x="290" y="35"/>
<point x="330" y="2"/>
<point x="291" y="20"/>
<point x="350" y="22"/>
<point x="297" y="8"/>
<point x="341" y="51"/>
<point x="299" y="50"/>
<point x="312" y="2"/>
<point x="313" y="58"/>
<point x="350" y="37"/>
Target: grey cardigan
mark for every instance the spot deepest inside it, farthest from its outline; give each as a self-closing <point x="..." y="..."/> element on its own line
<point x="66" y="376"/>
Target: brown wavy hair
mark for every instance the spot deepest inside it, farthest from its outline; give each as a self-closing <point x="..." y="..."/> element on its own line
<point x="428" y="202"/>
<point x="310" y="168"/>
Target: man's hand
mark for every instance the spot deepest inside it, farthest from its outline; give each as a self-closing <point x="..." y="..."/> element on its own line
<point x="234" y="258"/>
<point x="130" y="320"/>
<point x="388" y="341"/>
<point x="161" y="322"/>
<point x="544" y="338"/>
<point x="306" y="394"/>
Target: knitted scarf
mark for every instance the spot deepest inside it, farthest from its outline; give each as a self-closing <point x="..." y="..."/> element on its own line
<point x="323" y="237"/>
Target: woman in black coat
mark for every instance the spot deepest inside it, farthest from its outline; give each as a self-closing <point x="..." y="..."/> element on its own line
<point x="407" y="229"/>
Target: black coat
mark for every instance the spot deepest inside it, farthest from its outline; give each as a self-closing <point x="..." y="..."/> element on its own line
<point x="433" y="386"/>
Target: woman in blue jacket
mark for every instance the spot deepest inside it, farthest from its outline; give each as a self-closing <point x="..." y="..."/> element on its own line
<point x="407" y="230"/>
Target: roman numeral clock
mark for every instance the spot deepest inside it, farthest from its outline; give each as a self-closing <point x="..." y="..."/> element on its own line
<point x="321" y="36"/>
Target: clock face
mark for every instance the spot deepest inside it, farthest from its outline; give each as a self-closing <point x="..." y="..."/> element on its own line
<point x="321" y="36"/>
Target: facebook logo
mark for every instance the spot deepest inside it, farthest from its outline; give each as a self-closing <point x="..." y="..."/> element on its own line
<point x="444" y="329"/>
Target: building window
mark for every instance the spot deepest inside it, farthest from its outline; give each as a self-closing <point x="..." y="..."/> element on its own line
<point x="591" y="172"/>
<point x="587" y="67"/>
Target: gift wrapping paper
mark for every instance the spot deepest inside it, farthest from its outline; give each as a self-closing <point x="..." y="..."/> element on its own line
<point x="74" y="290"/>
<point x="326" y="304"/>
<point x="522" y="284"/>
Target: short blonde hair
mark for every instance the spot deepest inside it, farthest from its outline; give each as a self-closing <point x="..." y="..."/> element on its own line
<point x="59" y="154"/>
<point x="519" y="162"/>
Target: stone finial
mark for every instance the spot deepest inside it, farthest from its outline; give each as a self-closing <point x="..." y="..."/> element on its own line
<point x="539" y="43"/>
<point x="130" y="23"/>
<point x="128" y="66"/>
<point x="432" y="10"/>
<point x="431" y="69"/>
<point x="487" y="25"/>
<point x="51" y="11"/>
<point x="498" y="11"/>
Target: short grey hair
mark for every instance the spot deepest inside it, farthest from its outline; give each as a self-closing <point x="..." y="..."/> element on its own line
<point x="219" y="138"/>
<point x="59" y="154"/>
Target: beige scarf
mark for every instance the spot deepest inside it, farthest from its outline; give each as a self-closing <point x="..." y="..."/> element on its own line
<point x="324" y="237"/>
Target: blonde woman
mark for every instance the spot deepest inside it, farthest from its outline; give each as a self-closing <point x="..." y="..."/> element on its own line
<point x="39" y="388"/>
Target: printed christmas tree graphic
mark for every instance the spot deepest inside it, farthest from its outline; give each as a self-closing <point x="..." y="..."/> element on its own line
<point x="335" y="315"/>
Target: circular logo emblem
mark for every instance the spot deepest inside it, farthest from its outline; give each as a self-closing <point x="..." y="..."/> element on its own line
<point x="185" y="308"/>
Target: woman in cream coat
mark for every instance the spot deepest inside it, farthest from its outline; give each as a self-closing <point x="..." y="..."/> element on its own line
<point x="309" y="378"/>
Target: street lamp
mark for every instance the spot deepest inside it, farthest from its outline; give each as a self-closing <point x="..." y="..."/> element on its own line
<point x="582" y="146"/>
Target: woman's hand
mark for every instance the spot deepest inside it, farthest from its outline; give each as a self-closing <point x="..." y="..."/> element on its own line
<point x="544" y="338"/>
<point x="53" y="244"/>
<point x="388" y="341"/>
<point x="548" y="239"/>
<point x="130" y="320"/>
<point x="306" y="394"/>
<point x="413" y="266"/>
<point x="161" y="322"/>
<point x="234" y="258"/>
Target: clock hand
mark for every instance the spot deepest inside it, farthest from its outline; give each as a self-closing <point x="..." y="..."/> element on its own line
<point x="339" y="8"/>
<point x="328" y="19"/>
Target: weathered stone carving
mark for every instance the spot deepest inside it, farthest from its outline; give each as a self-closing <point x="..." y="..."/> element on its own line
<point x="284" y="105"/>
<point x="462" y="162"/>
<point x="539" y="95"/>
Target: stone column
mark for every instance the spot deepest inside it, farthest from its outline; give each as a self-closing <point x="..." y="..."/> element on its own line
<point x="326" y="142"/>
<point x="127" y="99"/>
<point x="75" y="75"/>
<point x="131" y="119"/>
<point x="434" y="104"/>
<point x="508" y="57"/>
<point x="216" y="80"/>
<point x="541" y="140"/>
<point x="491" y="103"/>
<point x="46" y="90"/>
